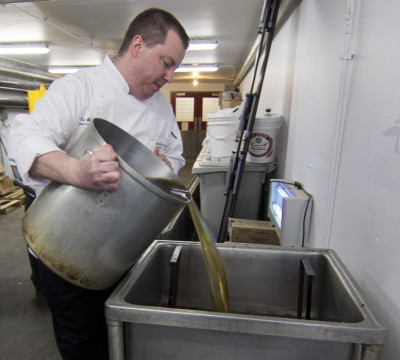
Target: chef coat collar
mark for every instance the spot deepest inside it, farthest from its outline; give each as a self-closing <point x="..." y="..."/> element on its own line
<point x="115" y="75"/>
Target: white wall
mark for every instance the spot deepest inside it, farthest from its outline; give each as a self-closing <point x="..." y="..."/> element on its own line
<point x="336" y="112"/>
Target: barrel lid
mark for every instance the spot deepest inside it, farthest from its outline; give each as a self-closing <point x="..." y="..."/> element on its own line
<point x="270" y="118"/>
<point x="224" y="122"/>
<point x="224" y="114"/>
<point x="222" y="117"/>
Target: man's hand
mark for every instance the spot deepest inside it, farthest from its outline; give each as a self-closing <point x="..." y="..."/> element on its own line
<point x="162" y="157"/>
<point x="97" y="170"/>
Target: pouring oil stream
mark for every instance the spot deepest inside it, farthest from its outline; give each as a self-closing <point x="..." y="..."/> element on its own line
<point x="215" y="269"/>
<point x="216" y="272"/>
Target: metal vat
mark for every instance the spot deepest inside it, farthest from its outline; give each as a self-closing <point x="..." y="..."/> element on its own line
<point x="267" y="295"/>
<point x="91" y="238"/>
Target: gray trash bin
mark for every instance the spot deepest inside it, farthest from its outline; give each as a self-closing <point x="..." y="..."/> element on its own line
<point x="213" y="175"/>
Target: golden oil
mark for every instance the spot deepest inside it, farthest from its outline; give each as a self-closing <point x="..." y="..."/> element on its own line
<point x="214" y="265"/>
<point x="215" y="268"/>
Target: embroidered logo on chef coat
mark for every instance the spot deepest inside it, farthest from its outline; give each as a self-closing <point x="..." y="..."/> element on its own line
<point x="85" y="121"/>
<point x="163" y="143"/>
<point x="162" y="146"/>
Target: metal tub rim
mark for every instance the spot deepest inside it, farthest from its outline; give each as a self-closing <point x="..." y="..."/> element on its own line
<point x="367" y="331"/>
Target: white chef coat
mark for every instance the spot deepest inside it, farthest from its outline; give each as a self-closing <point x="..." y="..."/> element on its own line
<point x="72" y="102"/>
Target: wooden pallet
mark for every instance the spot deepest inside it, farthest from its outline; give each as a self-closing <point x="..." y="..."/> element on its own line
<point x="6" y="185"/>
<point x="6" y="207"/>
<point x="12" y="200"/>
<point x="16" y="194"/>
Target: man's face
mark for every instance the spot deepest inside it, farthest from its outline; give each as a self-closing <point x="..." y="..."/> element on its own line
<point x="155" y="66"/>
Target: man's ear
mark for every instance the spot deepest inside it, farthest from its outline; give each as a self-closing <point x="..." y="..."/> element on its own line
<point x="136" y="44"/>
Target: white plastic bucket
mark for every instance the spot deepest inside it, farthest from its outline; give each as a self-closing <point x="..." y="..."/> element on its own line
<point x="262" y="147"/>
<point x="222" y="136"/>
<point x="222" y="132"/>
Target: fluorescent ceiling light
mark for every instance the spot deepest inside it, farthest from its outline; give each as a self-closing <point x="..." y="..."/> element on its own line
<point x="13" y="49"/>
<point x="203" y="44"/>
<point x="64" y="69"/>
<point x="198" y="68"/>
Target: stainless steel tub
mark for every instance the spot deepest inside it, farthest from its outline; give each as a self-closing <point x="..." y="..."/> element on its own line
<point x="264" y="283"/>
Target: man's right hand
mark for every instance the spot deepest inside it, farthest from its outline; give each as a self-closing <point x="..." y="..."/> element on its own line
<point x="97" y="170"/>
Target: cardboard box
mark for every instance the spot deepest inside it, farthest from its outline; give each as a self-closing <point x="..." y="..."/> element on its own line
<point x="252" y="231"/>
<point x="230" y="104"/>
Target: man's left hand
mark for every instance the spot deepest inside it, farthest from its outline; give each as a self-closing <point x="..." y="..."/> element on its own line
<point x="162" y="157"/>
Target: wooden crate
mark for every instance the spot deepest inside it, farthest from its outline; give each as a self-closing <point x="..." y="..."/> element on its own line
<point x="252" y="231"/>
<point x="6" y="206"/>
<point x="6" y="185"/>
<point x="12" y="200"/>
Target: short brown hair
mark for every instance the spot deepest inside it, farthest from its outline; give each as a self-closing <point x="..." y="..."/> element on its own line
<point x="153" y="25"/>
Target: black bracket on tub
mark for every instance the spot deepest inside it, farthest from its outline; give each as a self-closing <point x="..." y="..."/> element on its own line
<point x="305" y="269"/>
<point x="174" y="276"/>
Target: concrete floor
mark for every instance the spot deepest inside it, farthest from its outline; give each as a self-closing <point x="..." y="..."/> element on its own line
<point x="25" y="321"/>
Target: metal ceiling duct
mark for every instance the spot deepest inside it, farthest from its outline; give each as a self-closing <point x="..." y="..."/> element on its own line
<point x="22" y="73"/>
<point x="26" y="74"/>
<point x="7" y="85"/>
<point x="11" y="102"/>
<point x="3" y="2"/>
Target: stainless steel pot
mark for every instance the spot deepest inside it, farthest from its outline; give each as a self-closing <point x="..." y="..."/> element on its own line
<point x="92" y="238"/>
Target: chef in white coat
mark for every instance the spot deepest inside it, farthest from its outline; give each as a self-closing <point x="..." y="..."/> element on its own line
<point x="125" y="91"/>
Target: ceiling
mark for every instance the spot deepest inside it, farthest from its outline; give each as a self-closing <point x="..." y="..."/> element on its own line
<point x="81" y="32"/>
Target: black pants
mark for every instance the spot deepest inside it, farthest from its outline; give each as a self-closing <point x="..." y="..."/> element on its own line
<point x="78" y="316"/>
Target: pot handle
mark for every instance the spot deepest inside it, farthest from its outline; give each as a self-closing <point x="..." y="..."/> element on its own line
<point x="105" y="195"/>
<point x="88" y="151"/>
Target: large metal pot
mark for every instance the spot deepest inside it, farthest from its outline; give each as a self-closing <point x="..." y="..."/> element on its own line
<point x="92" y="238"/>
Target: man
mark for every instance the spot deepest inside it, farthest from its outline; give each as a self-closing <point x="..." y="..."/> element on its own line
<point x="125" y="91"/>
